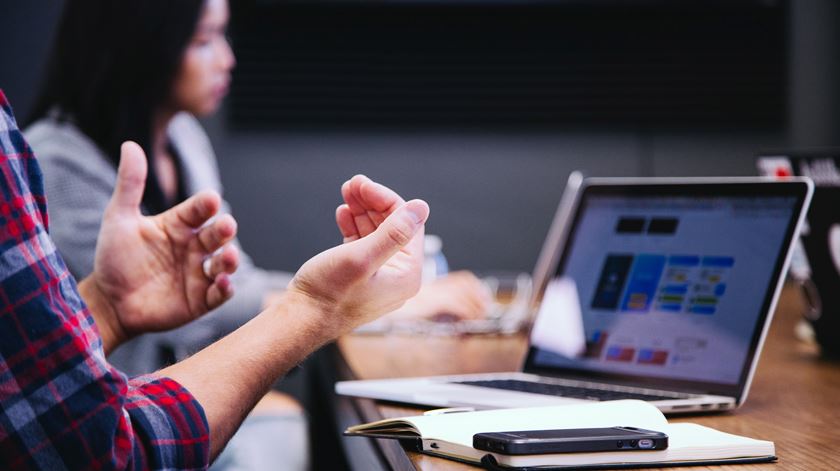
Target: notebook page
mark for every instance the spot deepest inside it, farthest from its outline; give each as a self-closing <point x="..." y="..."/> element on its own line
<point x="459" y="428"/>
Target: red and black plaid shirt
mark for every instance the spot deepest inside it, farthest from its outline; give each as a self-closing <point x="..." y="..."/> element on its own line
<point x="62" y="406"/>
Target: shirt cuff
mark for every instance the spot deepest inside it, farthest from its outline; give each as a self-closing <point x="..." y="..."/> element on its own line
<point x="171" y="420"/>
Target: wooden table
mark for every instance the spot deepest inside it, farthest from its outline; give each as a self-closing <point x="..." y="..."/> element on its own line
<point x="794" y="400"/>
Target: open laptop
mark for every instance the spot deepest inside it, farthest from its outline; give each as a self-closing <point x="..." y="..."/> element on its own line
<point x="654" y="289"/>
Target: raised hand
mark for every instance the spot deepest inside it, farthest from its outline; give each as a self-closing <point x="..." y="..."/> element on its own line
<point x="459" y="294"/>
<point x="379" y="265"/>
<point x="366" y="205"/>
<point x="159" y="272"/>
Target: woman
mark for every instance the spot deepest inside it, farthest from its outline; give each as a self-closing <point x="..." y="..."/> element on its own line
<point x="142" y="71"/>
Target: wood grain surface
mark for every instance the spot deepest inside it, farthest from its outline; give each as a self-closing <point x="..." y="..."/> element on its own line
<point x="794" y="400"/>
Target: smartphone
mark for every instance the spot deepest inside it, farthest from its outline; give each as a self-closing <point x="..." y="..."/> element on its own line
<point x="572" y="440"/>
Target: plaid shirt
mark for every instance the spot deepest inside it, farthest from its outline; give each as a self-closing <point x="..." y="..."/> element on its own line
<point x="62" y="406"/>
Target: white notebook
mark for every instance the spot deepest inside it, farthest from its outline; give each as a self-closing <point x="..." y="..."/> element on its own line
<point x="450" y="435"/>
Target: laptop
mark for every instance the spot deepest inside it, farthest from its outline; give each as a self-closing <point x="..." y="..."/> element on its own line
<point x="653" y="289"/>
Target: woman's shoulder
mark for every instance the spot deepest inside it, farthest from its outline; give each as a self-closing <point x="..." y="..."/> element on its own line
<point x="57" y="141"/>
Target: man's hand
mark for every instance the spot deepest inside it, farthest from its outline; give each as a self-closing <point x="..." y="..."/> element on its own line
<point x="150" y="272"/>
<point x="374" y="272"/>
<point x="379" y="265"/>
<point x="367" y="205"/>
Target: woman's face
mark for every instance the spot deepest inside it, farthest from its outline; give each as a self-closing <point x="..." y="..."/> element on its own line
<point x="204" y="77"/>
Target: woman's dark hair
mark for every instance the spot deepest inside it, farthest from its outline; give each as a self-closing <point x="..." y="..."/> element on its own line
<point x="112" y="65"/>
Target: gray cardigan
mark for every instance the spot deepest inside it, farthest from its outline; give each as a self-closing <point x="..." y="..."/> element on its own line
<point x="79" y="180"/>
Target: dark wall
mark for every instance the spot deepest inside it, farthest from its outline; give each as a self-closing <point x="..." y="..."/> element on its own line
<point x="492" y="191"/>
<point x="492" y="194"/>
<point x="815" y="73"/>
<point x="26" y="33"/>
<point x="485" y="111"/>
<point x="655" y="63"/>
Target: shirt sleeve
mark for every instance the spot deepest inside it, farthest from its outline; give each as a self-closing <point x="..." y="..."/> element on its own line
<point x="62" y="406"/>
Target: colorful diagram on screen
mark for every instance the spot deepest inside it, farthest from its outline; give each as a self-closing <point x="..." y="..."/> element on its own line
<point x="674" y="283"/>
<point x="649" y="356"/>
<point x="620" y="353"/>
<point x="597" y="348"/>
<point x="595" y="344"/>
<point x="644" y="279"/>
<point x="710" y="285"/>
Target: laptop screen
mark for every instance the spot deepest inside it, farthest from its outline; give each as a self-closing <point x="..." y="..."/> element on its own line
<point x="673" y="282"/>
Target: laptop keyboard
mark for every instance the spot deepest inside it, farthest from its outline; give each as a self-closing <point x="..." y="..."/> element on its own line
<point x="564" y="391"/>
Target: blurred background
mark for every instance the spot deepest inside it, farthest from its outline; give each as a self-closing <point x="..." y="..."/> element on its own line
<point x="483" y="107"/>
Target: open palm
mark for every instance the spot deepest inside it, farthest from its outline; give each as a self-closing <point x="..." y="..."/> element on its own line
<point x="378" y="267"/>
<point x="150" y="268"/>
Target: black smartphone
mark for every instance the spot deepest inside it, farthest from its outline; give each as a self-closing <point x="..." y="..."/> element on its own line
<point x="571" y="440"/>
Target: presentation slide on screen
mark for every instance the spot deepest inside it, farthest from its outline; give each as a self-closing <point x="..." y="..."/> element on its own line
<point x="672" y="287"/>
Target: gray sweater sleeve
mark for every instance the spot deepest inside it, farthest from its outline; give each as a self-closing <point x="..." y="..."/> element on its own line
<point x="79" y="181"/>
<point x="78" y="184"/>
<point x="201" y="172"/>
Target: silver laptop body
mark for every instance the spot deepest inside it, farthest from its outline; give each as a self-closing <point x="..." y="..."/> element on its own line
<point x="660" y="289"/>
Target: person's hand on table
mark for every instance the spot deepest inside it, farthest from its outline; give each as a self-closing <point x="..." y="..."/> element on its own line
<point x="149" y="271"/>
<point x="458" y="295"/>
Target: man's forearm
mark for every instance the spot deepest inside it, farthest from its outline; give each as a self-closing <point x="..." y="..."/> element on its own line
<point x="231" y="375"/>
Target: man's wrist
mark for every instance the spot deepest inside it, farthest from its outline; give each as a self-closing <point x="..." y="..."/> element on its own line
<point x="104" y="314"/>
<point x="314" y="316"/>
